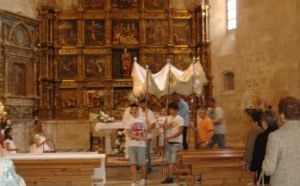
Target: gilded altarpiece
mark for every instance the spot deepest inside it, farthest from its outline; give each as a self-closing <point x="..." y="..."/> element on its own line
<point x="89" y="47"/>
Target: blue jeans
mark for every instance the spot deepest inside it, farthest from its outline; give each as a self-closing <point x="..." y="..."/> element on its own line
<point x="219" y="139"/>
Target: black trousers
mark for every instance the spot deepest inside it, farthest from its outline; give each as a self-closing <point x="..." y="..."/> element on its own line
<point x="184" y="136"/>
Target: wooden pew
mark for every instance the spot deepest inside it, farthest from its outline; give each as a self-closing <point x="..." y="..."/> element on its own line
<point x="214" y="167"/>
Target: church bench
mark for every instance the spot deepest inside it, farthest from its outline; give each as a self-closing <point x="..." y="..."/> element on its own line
<point x="181" y="169"/>
<point x="213" y="167"/>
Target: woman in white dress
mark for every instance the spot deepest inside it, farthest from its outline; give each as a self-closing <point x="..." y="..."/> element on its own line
<point x="40" y="140"/>
<point x="9" y="144"/>
<point x="8" y="175"/>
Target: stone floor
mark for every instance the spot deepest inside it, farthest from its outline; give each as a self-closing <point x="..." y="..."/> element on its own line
<point x="120" y="176"/>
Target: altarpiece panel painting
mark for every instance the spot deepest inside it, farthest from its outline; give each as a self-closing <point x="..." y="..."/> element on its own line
<point x="182" y="32"/>
<point x="155" y="4"/>
<point x="96" y="98"/>
<point x="67" y="32"/>
<point x="94" y="32"/>
<point x="157" y="32"/>
<point x="68" y="99"/>
<point x="96" y="4"/>
<point x="95" y="67"/>
<point x="125" y="4"/>
<point x="156" y="61"/>
<point x="125" y="32"/>
<point x="67" y="67"/>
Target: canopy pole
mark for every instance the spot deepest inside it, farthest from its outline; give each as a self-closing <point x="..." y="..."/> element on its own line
<point x="164" y="129"/>
<point x="146" y="116"/>
<point x="193" y="107"/>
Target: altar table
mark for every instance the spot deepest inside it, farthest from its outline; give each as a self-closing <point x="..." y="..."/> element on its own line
<point x="60" y="169"/>
<point x="108" y="128"/>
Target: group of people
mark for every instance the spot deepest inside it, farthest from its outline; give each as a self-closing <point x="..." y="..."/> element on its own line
<point x="272" y="152"/>
<point x="173" y="124"/>
<point x="39" y="145"/>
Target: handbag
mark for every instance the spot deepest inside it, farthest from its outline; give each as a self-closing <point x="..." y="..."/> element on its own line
<point x="261" y="179"/>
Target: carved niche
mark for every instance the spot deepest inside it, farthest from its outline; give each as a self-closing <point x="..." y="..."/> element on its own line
<point x="17" y="79"/>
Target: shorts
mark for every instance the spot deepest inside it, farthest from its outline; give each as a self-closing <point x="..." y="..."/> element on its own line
<point x="161" y="139"/>
<point x="171" y="152"/>
<point x="137" y="155"/>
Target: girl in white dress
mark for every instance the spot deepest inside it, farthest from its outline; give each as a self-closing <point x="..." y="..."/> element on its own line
<point x="9" y="144"/>
<point x="40" y="140"/>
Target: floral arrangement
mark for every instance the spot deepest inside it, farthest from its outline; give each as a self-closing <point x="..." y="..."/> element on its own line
<point x="119" y="146"/>
<point x="105" y="118"/>
<point x="4" y="122"/>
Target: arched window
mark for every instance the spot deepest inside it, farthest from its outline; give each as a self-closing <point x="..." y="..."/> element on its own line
<point x="228" y="81"/>
<point x="231" y="14"/>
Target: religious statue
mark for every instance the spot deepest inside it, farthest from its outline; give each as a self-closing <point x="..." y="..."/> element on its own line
<point x="126" y="63"/>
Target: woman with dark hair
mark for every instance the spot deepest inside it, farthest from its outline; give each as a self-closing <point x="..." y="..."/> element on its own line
<point x="256" y="130"/>
<point x="282" y="160"/>
<point x="9" y="144"/>
<point x="269" y="124"/>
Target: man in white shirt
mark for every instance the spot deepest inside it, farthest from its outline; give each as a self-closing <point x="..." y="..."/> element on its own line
<point x="125" y="116"/>
<point x="216" y="114"/>
<point x="135" y="129"/>
<point x="173" y="139"/>
<point x="150" y="122"/>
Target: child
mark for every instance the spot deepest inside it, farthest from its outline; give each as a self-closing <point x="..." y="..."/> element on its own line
<point x="40" y="140"/>
<point x="173" y="139"/>
<point x="205" y="129"/>
<point x="9" y="144"/>
<point x="135" y="129"/>
<point x="160" y="124"/>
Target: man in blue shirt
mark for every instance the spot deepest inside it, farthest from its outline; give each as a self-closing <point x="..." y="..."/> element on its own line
<point x="184" y="113"/>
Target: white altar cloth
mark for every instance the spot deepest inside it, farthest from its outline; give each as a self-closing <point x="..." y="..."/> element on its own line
<point x="109" y="126"/>
<point x="99" y="173"/>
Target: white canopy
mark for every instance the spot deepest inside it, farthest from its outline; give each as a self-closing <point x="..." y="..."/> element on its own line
<point x="157" y="84"/>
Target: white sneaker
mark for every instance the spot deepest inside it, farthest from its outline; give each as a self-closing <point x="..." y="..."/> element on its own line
<point x="134" y="184"/>
<point x="142" y="182"/>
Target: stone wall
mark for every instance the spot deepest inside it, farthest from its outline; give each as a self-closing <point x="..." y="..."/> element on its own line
<point x="263" y="53"/>
<point x="66" y="135"/>
<point x="73" y="135"/>
<point x="26" y="8"/>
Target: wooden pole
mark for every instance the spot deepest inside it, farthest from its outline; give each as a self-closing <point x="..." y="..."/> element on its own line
<point x="164" y="130"/>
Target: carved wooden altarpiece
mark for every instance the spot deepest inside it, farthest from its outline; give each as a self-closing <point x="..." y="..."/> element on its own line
<point x="88" y="49"/>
